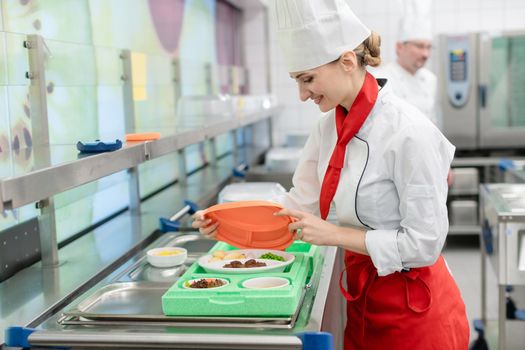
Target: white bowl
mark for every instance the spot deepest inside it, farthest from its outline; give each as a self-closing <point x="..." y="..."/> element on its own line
<point x="186" y="284"/>
<point x="167" y="256"/>
<point x="265" y="283"/>
<point x="271" y="265"/>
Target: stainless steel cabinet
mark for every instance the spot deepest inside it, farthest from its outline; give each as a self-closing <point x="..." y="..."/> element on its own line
<point x="503" y="245"/>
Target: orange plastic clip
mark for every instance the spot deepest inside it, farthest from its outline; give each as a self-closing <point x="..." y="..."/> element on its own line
<point x="144" y="136"/>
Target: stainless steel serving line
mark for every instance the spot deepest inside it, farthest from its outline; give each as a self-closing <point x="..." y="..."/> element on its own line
<point x="124" y="311"/>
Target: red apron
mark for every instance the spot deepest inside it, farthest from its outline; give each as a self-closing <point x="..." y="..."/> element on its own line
<point x="418" y="309"/>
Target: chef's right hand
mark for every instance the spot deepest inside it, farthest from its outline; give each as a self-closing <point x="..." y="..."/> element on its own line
<point x="206" y="227"/>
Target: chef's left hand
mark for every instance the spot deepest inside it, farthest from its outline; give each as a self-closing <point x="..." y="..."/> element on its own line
<point x="310" y="228"/>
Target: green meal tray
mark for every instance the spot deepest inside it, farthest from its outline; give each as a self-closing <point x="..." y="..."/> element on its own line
<point x="235" y="300"/>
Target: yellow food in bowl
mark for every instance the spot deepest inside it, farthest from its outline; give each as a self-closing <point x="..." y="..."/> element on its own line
<point x="168" y="253"/>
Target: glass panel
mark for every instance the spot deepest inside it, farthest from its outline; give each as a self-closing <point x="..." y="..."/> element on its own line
<point x="111" y="124"/>
<point x="3" y="59"/>
<point x="70" y="64"/>
<point x="153" y="91"/>
<point x="157" y="173"/>
<point x="224" y="144"/>
<point x="72" y="114"/>
<point x="195" y="157"/>
<point x="90" y="203"/>
<point x="507" y="81"/>
<point x="17" y="59"/>
<point x="108" y="66"/>
<point x="19" y="121"/>
<point x="9" y="218"/>
<point x="5" y="145"/>
<point x="60" y="20"/>
<point x="517" y="81"/>
<point x="1" y="19"/>
<point x="146" y="26"/>
<point x="193" y="74"/>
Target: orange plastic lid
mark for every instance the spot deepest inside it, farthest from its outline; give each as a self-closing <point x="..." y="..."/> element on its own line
<point x="251" y="224"/>
<point x="145" y="136"/>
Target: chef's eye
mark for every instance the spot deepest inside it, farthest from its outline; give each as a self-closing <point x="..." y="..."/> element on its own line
<point x="308" y="80"/>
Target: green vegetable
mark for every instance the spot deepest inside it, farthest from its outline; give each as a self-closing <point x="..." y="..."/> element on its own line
<point x="271" y="256"/>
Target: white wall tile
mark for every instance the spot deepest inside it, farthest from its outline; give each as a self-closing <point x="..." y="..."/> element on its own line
<point x="446" y="5"/>
<point x="469" y="21"/>
<point x="446" y="22"/>
<point x="491" y="19"/>
<point x="514" y="18"/>
<point x="468" y="5"/>
<point x="491" y="4"/>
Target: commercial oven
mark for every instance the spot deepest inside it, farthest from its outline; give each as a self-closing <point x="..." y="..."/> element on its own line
<point x="482" y="79"/>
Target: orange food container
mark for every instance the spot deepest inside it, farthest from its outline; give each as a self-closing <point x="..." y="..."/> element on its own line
<point x="145" y="136"/>
<point x="251" y="224"/>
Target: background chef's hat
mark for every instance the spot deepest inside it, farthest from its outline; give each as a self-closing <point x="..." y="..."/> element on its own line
<point x="315" y="32"/>
<point x="416" y="21"/>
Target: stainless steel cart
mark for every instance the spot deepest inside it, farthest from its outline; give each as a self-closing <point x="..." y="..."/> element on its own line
<point x="503" y="244"/>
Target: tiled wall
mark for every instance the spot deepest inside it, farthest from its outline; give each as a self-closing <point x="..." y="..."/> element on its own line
<point x="382" y="16"/>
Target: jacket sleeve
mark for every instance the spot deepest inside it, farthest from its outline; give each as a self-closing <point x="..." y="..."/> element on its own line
<point x="304" y="195"/>
<point x="418" y="159"/>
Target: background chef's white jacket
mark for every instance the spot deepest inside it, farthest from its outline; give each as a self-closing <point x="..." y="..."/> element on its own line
<point x="418" y="89"/>
<point x="394" y="182"/>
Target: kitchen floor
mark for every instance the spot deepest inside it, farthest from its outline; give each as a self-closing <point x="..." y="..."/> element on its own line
<point x="463" y="257"/>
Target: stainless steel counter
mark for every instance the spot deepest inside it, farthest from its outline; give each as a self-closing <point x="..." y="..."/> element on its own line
<point x="147" y="331"/>
<point x="36" y="292"/>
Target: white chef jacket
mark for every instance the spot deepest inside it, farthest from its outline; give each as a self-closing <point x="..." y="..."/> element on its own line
<point x="419" y="89"/>
<point x="394" y="182"/>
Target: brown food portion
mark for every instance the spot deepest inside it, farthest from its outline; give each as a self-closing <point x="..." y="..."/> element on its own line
<point x="235" y="264"/>
<point x="207" y="283"/>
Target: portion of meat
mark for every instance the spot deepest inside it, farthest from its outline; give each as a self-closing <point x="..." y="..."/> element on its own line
<point x="235" y="264"/>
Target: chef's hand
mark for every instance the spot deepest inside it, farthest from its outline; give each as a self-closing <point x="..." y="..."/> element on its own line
<point x="206" y="227"/>
<point x="310" y="228"/>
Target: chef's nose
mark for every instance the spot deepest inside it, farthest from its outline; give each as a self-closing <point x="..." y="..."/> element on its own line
<point x="304" y="93"/>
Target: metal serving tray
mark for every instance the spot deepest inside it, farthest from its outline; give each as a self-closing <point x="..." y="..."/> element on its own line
<point x="133" y="303"/>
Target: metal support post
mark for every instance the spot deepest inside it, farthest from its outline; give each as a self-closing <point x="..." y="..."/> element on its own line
<point x="233" y="80"/>
<point x="235" y="151"/>
<point x="208" y="69"/>
<point x="177" y="87"/>
<point x="502" y="316"/>
<point x="270" y="131"/>
<point x="183" y="172"/>
<point x="212" y="151"/>
<point x="129" y="119"/>
<point x="40" y="133"/>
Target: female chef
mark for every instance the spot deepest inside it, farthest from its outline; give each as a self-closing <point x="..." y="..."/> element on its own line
<point x="383" y="167"/>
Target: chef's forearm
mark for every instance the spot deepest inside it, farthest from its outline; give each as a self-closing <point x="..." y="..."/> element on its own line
<point x="351" y="239"/>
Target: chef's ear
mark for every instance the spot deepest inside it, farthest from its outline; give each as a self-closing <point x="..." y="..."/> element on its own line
<point x="348" y="60"/>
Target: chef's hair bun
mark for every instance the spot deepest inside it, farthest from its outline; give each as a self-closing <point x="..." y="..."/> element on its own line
<point x="369" y="51"/>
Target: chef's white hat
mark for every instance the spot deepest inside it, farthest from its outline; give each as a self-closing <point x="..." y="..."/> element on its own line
<point x="316" y="32"/>
<point x="416" y="21"/>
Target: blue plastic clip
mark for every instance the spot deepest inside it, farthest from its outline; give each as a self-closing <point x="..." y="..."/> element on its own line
<point x="240" y="170"/>
<point x="18" y="336"/>
<point x="506" y="164"/>
<point x="316" y="340"/>
<point x="172" y="224"/>
<point x="193" y="206"/>
<point x="99" y="146"/>
<point x="487" y="237"/>
<point x="169" y="226"/>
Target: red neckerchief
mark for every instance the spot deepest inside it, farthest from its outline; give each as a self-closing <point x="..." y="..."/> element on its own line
<point x="347" y="126"/>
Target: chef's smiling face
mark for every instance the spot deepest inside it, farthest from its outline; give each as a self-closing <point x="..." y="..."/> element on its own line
<point x="323" y="85"/>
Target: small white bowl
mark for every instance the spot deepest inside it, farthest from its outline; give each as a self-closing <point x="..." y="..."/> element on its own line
<point x="186" y="284"/>
<point x="167" y="256"/>
<point x="265" y="283"/>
